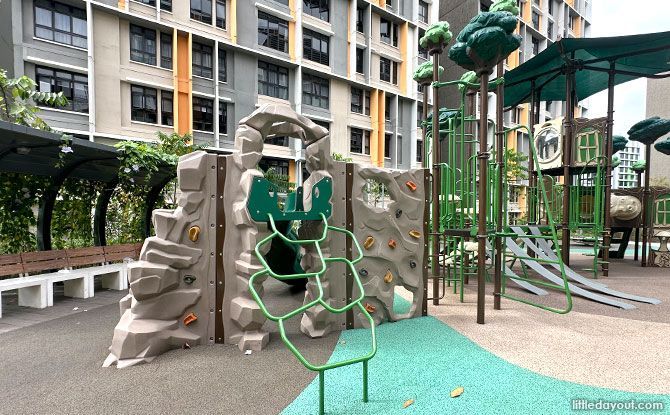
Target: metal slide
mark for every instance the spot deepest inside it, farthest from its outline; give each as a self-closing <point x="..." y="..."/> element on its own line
<point x="523" y="284"/>
<point x="545" y="273"/>
<point x="543" y="250"/>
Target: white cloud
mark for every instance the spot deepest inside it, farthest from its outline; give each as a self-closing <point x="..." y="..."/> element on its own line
<point x="618" y="18"/>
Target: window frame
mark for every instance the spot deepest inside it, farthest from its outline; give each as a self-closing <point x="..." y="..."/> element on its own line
<point x="143" y="112"/>
<point x="207" y="103"/>
<point x="360" y="20"/>
<point x="74" y="79"/>
<point x="310" y="52"/>
<point x="144" y="53"/>
<point x="167" y="118"/>
<point x="266" y="85"/>
<point x="361" y="69"/>
<point x="383" y="63"/>
<point x="165" y="59"/>
<point x="312" y="96"/>
<point x="423" y="17"/>
<point x="223" y="65"/>
<point x="223" y="117"/>
<point x="317" y="9"/>
<point x="200" y="14"/>
<point x="199" y="68"/>
<point x="277" y="38"/>
<point x="166" y="5"/>
<point x="72" y="12"/>
<point x="221" y="21"/>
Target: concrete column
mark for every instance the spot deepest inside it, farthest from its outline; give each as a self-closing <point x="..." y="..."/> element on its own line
<point x="91" y="71"/>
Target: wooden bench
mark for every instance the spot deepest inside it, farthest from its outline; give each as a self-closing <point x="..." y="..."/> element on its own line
<point x="76" y="268"/>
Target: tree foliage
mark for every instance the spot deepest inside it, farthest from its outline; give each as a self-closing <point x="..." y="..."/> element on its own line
<point x="515" y="162"/>
<point x="424" y="73"/>
<point x="436" y="36"/>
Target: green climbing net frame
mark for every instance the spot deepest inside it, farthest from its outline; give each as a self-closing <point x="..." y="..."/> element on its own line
<point x="320" y="201"/>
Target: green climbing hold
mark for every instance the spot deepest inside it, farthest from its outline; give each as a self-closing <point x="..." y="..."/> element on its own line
<point x="649" y="130"/>
<point x="436" y="37"/>
<point x="486" y="40"/>
<point x="663" y="146"/>
<point x="424" y="73"/>
<point x="619" y="143"/>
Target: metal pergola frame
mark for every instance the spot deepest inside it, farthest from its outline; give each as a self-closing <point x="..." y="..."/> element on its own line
<point x="26" y="150"/>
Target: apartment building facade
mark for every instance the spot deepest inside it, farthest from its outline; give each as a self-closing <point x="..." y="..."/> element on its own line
<point x="134" y="67"/>
<point x="623" y="176"/>
<point x="541" y="23"/>
<point x="658" y="96"/>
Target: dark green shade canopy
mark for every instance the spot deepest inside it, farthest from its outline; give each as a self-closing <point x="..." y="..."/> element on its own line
<point x="663" y="146"/>
<point x="649" y="130"/>
<point x="635" y="56"/>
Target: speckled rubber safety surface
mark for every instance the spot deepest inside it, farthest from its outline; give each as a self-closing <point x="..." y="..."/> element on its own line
<point x="423" y="360"/>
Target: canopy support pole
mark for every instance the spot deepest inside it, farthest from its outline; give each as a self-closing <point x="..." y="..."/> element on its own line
<point x="567" y="158"/>
<point x="100" y="215"/>
<point x="482" y="194"/>
<point x="500" y="136"/>
<point x="436" y="182"/>
<point x="530" y="194"/>
<point x="609" y="149"/>
<point x="646" y="205"/>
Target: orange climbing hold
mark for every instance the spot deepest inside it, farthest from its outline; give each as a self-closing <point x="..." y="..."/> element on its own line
<point x="415" y="234"/>
<point x="190" y="318"/>
<point x="411" y="185"/>
<point x="370" y="308"/>
<point x="392" y="243"/>
<point x="388" y="277"/>
<point x="369" y="241"/>
<point x="194" y="233"/>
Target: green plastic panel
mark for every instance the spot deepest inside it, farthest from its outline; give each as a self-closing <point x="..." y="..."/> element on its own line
<point x="264" y="201"/>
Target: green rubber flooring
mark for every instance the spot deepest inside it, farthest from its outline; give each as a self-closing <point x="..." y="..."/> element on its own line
<point x="423" y="359"/>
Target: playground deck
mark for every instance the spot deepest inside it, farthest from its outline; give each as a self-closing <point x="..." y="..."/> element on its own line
<point x="57" y="364"/>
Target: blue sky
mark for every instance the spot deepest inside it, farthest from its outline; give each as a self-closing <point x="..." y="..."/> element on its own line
<point x="625" y="17"/>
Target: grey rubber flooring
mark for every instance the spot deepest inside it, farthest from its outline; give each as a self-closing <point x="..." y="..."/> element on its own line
<point x="55" y="367"/>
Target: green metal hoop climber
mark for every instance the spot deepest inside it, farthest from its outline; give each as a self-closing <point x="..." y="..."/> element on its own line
<point x="261" y="208"/>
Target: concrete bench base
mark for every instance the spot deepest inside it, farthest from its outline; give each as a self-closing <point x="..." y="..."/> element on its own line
<point x="33" y="292"/>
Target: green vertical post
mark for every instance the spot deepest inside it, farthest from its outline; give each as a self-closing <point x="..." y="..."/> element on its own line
<point x="321" y="393"/>
<point x="365" y="381"/>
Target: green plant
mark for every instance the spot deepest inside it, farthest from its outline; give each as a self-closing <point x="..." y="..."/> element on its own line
<point x="72" y="225"/>
<point x="19" y="99"/>
<point x="18" y="195"/>
<point x="516" y="170"/>
<point x="340" y="157"/>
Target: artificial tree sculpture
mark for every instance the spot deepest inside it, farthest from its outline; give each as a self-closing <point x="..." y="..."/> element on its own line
<point x="424" y="77"/>
<point x="435" y="39"/>
<point x="663" y="146"/>
<point x="484" y="42"/>
<point x="646" y="132"/>
<point x="619" y="143"/>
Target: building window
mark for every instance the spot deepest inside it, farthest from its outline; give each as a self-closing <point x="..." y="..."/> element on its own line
<point x="221" y="14"/>
<point x="423" y="53"/>
<point x="277" y="140"/>
<point x="550" y="5"/>
<point x="315" y="46"/>
<point x="359" y="141"/>
<point x="272" y="80"/>
<point x="360" y="101"/>
<point x="143" y="104"/>
<point x="142" y="45"/>
<point x="279" y="166"/>
<point x="419" y="151"/>
<point x="272" y="32"/>
<point x="60" y="23"/>
<point x="387" y="145"/>
<point x="167" y="111"/>
<point x="73" y="86"/>
<point x="315" y="91"/>
<point x="550" y="30"/>
<point x="148" y="2"/>
<point x="202" y="60"/>
<point x="359" y="60"/>
<point x="166" y="50"/>
<point x="535" y="17"/>
<point x="387" y="108"/>
<point x="317" y="8"/>
<point x="385" y="69"/>
<point x="388" y="32"/>
<point x="398" y="152"/>
<point x="536" y="45"/>
<point x="360" y="19"/>
<point x="201" y="10"/>
<point x="324" y="124"/>
<point x="423" y="11"/>
<point x="166" y="5"/>
<point x="203" y="114"/>
<point x="223" y="118"/>
<point x="223" y="70"/>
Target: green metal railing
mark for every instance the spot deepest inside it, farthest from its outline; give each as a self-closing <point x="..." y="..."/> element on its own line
<point x="316" y="275"/>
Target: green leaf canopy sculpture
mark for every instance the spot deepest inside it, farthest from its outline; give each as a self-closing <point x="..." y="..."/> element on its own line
<point x="472" y="78"/>
<point x="615" y="162"/>
<point x="505" y="6"/>
<point x="424" y="73"/>
<point x="486" y="40"/>
<point x="663" y="146"/>
<point x="649" y="130"/>
<point x="639" y="166"/>
<point x="444" y="117"/>
<point x="619" y="143"/>
<point x="436" y="37"/>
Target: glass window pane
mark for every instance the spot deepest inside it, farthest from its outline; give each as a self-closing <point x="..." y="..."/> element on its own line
<point x="43" y="17"/>
<point x="62" y="22"/>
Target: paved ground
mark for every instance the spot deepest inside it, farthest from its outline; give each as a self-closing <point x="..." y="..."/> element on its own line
<point x="55" y="367"/>
<point x="595" y="344"/>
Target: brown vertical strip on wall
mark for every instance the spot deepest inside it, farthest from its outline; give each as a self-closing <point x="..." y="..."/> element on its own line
<point x="220" y="237"/>
<point x="426" y="232"/>
<point x="349" y="220"/>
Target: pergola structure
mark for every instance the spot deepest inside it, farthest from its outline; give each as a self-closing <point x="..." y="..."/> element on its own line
<point x="574" y="69"/>
<point x="30" y="151"/>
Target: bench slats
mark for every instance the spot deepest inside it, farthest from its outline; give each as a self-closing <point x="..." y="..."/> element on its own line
<point x="120" y="252"/>
<point x="11" y="265"/>
<point x="94" y="255"/>
<point x="44" y="260"/>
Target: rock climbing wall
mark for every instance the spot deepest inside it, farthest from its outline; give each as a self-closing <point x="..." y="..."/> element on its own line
<point x="171" y="298"/>
<point x="191" y="284"/>
<point x="393" y="239"/>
